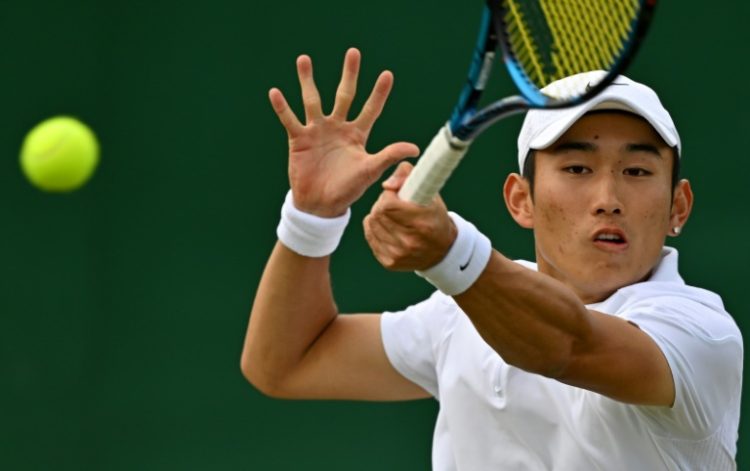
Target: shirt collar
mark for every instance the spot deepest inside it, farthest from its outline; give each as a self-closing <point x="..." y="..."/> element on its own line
<point x="666" y="269"/>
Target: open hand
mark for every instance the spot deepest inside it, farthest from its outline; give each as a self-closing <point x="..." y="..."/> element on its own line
<point x="329" y="167"/>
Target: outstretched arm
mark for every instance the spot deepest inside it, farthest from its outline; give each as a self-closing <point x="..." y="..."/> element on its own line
<point x="297" y="345"/>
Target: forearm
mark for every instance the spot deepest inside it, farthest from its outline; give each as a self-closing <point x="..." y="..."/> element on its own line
<point x="530" y="319"/>
<point x="293" y="306"/>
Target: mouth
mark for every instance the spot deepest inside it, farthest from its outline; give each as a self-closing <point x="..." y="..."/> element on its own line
<point x="610" y="239"/>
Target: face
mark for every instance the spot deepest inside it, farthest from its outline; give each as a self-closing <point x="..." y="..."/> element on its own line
<point x="602" y="204"/>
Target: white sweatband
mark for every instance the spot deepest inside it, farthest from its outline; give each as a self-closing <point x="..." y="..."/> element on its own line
<point x="307" y="234"/>
<point x="464" y="262"/>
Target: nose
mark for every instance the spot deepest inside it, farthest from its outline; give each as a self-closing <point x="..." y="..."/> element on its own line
<point x="607" y="198"/>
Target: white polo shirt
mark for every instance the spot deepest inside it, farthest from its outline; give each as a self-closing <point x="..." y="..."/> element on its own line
<point x="494" y="416"/>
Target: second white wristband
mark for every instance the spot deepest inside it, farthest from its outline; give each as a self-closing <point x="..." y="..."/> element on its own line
<point x="464" y="262"/>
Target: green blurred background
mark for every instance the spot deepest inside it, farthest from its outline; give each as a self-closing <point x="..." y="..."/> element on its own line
<point x="123" y="306"/>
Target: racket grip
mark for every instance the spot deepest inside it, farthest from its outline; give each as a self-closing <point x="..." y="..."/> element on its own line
<point x="433" y="168"/>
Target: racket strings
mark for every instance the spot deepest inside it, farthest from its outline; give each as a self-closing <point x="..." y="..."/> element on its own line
<point x="552" y="39"/>
<point x="608" y="30"/>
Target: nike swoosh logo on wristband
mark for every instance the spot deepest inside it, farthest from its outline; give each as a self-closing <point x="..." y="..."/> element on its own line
<point x="463" y="267"/>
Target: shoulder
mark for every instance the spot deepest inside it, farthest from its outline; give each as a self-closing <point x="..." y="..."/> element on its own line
<point x="667" y="295"/>
<point x="435" y="314"/>
<point x="703" y="347"/>
<point x="683" y="319"/>
<point x="678" y="305"/>
<point x="414" y="338"/>
<point x="436" y="301"/>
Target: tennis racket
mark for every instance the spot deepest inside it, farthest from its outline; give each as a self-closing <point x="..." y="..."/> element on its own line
<point x="541" y="41"/>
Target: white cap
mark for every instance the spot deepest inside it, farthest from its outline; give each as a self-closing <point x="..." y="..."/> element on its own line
<point x="542" y="128"/>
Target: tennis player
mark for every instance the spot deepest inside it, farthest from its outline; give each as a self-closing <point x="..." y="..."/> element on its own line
<point x="597" y="356"/>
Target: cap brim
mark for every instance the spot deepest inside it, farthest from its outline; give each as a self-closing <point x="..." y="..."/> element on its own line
<point x="606" y="100"/>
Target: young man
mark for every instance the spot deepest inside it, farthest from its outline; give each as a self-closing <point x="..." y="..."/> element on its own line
<point x="598" y="356"/>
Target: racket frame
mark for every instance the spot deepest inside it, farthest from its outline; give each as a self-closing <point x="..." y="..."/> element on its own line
<point x="450" y="144"/>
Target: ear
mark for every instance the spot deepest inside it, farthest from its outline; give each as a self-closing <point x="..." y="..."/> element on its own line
<point x="517" y="196"/>
<point x="682" y="204"/>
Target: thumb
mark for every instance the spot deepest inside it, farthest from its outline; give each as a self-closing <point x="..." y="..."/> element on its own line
<point x="392" y="154"/>
<point x="398" y="177"/>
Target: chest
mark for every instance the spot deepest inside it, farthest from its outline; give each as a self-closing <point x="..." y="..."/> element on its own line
<point x="525" y="418"/>
<point x="473" y="376"/>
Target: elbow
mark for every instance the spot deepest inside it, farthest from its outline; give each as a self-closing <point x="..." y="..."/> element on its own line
<point x="268" y="379"/>
<point x="564" y="362"/>
<point x="555" y="368"/>
<point x="263" y="382"/>
<point x="551" y="360"/>
<point x="540" y="363"/>
<point x="247" y="367"/>
<point x="563" y="354"/>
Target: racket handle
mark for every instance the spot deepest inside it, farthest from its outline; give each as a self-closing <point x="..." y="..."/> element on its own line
<point x="433" y="168"/>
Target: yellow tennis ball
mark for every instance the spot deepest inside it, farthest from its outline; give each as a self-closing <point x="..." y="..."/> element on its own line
<point x="59" y="154"/>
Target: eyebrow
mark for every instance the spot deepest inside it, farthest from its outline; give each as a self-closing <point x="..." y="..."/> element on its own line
<point x="647" y="148"/>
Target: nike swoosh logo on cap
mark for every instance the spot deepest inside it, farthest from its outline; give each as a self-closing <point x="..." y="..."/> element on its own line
<point x="590" y="87"/>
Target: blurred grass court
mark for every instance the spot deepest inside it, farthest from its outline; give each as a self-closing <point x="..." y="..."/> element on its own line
<point x="123" y="305"/>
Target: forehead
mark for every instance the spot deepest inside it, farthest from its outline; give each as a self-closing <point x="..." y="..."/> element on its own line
<point x="612" y="123"/>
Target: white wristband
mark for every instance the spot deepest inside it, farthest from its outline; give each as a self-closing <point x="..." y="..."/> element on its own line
<point x="307" y="234"/>
<point x="464" y="262"/>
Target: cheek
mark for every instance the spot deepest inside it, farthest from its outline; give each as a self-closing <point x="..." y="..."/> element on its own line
<point x="547" y="212"/>
<point x="653" y="218"/>
<point x="557" y="209"/>
<point x="556" y="223"/>
<point x="655" y="215"/>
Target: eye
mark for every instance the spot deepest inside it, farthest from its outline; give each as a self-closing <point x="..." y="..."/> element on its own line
<point x="577" y="169"/>
<point x="636" y="172"/>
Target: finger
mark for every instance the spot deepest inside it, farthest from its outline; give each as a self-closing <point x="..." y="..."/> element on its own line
<point x="348" y="86"/>
<point x="401" y="246"/>
<point x="384" y="231"/>
<point x="310" y="95"/>
<point x="395" y="214"/>
<point x="373" y="241"/>
<point x="391" y="154"/>
<point x="388" y="248"/>
<point x="284" y="112"/>
<point x="398" y="177"/>
<point x="375" y="102"/>
<point x="406" y="213"/>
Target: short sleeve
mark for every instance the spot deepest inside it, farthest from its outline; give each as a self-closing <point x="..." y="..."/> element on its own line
<point x="704" y="350"/>
<point x="412" y="339"/>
